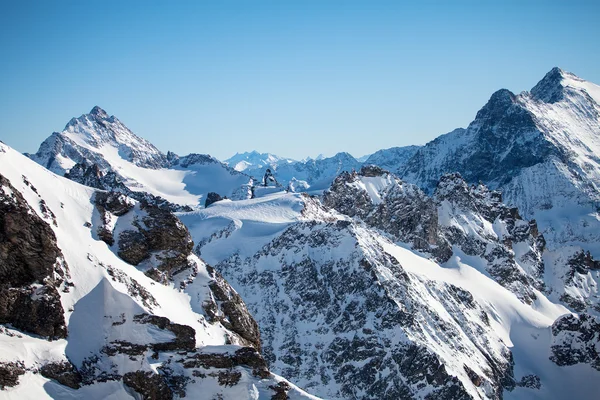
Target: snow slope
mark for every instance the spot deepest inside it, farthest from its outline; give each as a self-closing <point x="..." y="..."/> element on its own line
<point x="121" y="322"/>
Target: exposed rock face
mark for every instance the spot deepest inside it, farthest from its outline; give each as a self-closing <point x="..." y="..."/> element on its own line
<point x="124" y="333"/>
<point x="34" y="309"/>
<point x="474" y="219"/>
<point x="84" y="152"/>
<point x="9" y="374"/>
<point x="91" y="175"/>
<point x="471" y="218"/>
<point x="184" y="335"/>
<point x="212" y="197"/>
<point x="531" y="382"/>
<point x="110" y="204"/>
<point x="579" y="273"/>
<point x="280" y="390"/>
<point x="150" y="234"/>
<point x="246" y="356"/>
<point x="159" y="233"/>
<point x="31" y="268"/>
<point x="406" y="213"/>
<point x="28" y="251"/>
<point x="576" y="339"/>
<point x="149" y="385"/>
<point x="582" y="263"/>
<point x="501" y="123"/>
<point x="331" y="317"/>
<point x="228" y="308"/>
<point x="62" y="372"/>
<point x="179" y="360"/>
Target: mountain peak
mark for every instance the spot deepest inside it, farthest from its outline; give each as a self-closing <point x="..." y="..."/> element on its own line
<point x="98" y="112"/>
<point x="550" y="88"/>
<point x="498" y="103"/>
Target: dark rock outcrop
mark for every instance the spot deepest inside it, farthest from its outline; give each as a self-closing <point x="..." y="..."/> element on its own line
<point x="407" y="212"/>
<point x="212" y="197"/>
<point x="62" y="372"/>
<point x="9" y="373"/>
<point x="185" y="336"/>
<point x="229" y="309"/>
<point x="28" y="251"/>
<point x="31" y="268"/>
<point x="245" y="356"/>
<point x="149" y="385"/>
<point x="155" y="233"/>
<point x="92" y="175"/>
<point x="159" y="233"/>
<point x="530" y="381"/>
<point x="33" y="309"/>
<point x="575" y="340"/>
<point x="334" y="277"/>
<point x="281" y="390"/>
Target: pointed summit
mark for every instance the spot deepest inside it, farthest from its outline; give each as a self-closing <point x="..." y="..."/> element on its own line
<point x="497" y="105"/>
<point x="98" y="112"/>
<point x="550" y="88"/>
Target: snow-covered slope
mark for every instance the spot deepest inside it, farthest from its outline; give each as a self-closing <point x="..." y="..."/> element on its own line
<point x="105" y="144"/>
<point x="539" y="148"/>
<point x="77" y="321"/>
<point x="348" y="313"/>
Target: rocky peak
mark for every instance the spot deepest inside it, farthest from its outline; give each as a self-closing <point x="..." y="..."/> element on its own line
<point x="344" y="156"/>
<point x="550" y="89"/>
<point x="195" y="158"/>
<point x="372" y="171"/>
<point x="98" y="112"/>
<point x="497" y="105"/>
<point x="450" y="186"/>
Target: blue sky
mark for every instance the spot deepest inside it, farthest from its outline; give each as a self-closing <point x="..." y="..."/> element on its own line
<point x="295" y="78"/>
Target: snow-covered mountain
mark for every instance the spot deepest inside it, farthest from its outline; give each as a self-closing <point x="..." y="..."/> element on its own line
<point x="101" y="297"/>
<point x="348" y="311"/>
<point x="459" y="220"/>
<point x="254" y="160"/>
<point x="462" y="274"/>
<point x="101" y="151"/>
<point x="312" y="175"/>
<point x="539" y="148"/>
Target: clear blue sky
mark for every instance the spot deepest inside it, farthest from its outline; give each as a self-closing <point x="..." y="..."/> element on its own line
<point x="294" y="78"/>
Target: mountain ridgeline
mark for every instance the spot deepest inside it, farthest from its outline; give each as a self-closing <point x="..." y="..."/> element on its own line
<point x="466" y="268"/>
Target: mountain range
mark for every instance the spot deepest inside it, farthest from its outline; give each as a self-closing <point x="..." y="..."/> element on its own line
<point x="465" y="268"/>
